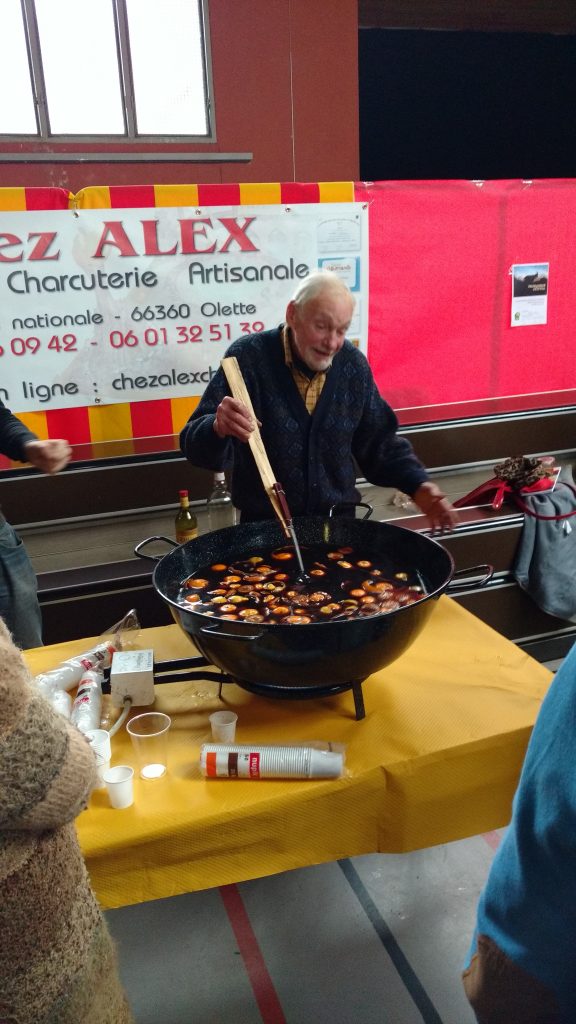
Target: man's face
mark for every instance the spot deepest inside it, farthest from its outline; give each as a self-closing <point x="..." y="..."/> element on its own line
<point x="319" y="327"/>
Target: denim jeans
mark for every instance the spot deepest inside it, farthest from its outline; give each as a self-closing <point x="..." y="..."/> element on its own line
<point x="18" y="590"/>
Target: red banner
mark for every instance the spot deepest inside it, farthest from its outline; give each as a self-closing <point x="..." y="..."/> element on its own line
<point x="440" y="341"/>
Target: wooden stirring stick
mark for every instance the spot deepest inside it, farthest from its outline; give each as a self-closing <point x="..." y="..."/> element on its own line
<point x="239" y="391"/>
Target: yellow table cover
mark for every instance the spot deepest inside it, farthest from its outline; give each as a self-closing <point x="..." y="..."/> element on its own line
<point x="437" y="758"/>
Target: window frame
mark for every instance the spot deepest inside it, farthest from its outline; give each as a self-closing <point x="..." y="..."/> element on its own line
<point x="130" y="138"/>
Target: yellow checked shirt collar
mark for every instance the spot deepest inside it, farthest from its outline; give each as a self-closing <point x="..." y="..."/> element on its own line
<point x="310" y="389"/>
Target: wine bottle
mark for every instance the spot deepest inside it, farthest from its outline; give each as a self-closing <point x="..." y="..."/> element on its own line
<point x="185" y="521"/>
<point x="221" y="511"/>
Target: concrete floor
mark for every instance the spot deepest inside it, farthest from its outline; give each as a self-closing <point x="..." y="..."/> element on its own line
<point x="378" y="939"/>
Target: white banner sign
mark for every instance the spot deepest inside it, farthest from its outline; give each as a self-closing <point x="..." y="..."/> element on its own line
<point x="106" y="306"/>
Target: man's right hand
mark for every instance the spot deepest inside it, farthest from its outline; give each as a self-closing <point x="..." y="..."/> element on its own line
<point x="233" y="419"/>
<point x="440" y="512"/>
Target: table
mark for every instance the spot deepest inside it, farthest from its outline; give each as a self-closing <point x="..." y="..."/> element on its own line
<point x="436" y="759"/>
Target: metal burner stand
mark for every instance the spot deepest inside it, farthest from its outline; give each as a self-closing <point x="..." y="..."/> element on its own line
<point x="195" y="668"/>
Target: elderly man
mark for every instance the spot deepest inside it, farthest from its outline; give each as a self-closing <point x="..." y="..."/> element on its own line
<point x="320" y="413"/>
<point x="18" y="590"/>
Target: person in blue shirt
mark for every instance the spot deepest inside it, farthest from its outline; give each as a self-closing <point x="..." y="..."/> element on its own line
<point x="522" y="964"/>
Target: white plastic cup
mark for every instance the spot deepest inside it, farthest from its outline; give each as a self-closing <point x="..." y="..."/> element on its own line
<point x="120" y="785"/>
<point x="99" y="740"/>
<point x="223" y="725"/>
<point x="149" y="735"/>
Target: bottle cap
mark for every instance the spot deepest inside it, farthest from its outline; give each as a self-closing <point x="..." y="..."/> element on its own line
<point x="183" y="494"/>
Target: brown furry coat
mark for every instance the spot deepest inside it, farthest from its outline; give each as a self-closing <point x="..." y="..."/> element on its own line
<point x="57" y="961"/>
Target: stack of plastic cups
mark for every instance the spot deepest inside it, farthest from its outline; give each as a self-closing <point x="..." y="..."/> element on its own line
<point x="221" y="761"/>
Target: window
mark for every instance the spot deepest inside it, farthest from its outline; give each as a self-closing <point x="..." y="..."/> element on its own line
<point x="120" y="69"/>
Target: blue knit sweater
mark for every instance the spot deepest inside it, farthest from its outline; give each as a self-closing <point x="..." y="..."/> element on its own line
<point x="312" y="456"/>
<point x="13" y="435"/>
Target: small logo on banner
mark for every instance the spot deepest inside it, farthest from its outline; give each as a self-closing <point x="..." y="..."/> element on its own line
<point x="254" y="766"/>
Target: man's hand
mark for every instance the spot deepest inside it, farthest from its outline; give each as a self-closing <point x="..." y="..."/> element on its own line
<point x="441" y="514"/>
<point x="49" y="456"/>
<point x="233" y="420"/>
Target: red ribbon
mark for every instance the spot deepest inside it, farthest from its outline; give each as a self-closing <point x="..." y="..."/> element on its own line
<point x="502" y="489"/>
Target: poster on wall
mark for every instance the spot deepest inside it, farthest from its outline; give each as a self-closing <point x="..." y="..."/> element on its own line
<point x="530" y="294"/>
<point x="105" y="306"/>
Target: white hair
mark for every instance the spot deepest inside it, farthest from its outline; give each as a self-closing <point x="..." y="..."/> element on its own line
<point x="316" y="282"/>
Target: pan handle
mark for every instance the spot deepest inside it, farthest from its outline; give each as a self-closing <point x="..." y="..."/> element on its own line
<point x="153" y="558"/>
<point x="487" y="570"/>
<point x="230" y="636"/>
<point x="343" y="505"/>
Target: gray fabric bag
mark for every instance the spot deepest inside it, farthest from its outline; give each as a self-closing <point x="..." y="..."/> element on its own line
<point x="545" y="563"/>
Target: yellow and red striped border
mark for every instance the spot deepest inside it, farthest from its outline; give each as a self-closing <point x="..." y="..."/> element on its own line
<point x="18" y="199"/>
<point x="116" y="197"/>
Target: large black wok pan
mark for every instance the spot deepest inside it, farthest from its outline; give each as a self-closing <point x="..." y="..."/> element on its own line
<point x="318" y="655"/>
